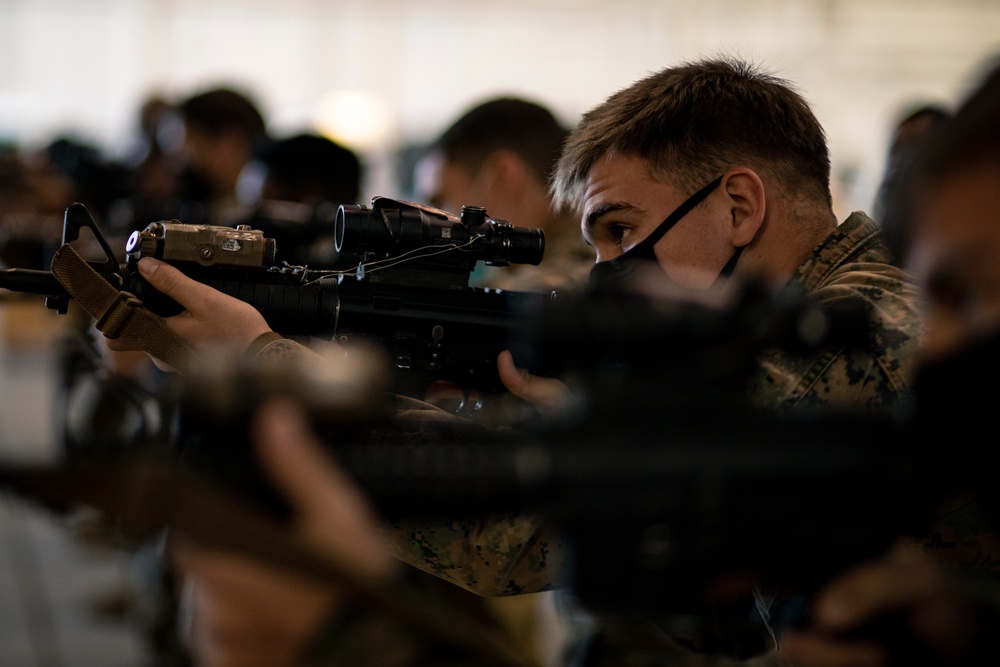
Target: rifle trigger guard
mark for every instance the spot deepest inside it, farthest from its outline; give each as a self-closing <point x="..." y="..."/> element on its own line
<point x="117" y="314"/>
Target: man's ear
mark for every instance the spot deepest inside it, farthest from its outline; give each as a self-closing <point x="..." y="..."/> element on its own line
<point x="747" y="201"/>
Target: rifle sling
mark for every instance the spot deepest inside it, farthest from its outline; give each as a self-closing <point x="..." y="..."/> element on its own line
<point x="119" y="314"/>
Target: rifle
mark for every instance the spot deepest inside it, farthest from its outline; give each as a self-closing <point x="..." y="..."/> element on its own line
<point x="408" y="292"/>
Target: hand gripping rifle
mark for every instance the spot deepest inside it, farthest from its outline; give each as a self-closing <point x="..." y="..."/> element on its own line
<point x="408" y="290"/>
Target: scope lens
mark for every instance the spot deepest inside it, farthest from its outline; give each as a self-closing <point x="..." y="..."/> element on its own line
<point x="393" y="231"/>
<point x="338" y="229"/>
<point x="527" y="245"/>
<point x="358" y="229"/>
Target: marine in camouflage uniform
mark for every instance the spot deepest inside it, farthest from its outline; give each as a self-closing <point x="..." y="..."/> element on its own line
<point x="513" y="554"/>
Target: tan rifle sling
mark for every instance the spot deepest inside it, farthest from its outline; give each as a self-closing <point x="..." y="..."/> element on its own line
<point x="119" y="314"/>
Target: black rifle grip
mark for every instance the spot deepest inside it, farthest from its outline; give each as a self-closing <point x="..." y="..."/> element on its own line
<point x="288" y="306"/>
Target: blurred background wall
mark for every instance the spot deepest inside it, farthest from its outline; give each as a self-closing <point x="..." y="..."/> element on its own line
<point x="407" y="67"/>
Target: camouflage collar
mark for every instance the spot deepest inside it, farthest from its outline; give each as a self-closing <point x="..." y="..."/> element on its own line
<point x="855" y="236"/>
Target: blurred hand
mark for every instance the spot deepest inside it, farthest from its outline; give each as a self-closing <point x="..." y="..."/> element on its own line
<point x="210" y="321"/>
<point x="549" y="396"/>
<point x="903" y="606"/>
<point x="240" y="612"/>
<point x="331" y="511"/>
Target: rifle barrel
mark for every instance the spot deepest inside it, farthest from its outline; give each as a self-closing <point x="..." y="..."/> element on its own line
<point x="31" y="281"/>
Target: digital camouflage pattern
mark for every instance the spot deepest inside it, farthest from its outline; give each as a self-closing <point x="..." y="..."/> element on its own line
<point x="507" y="554"/>
<point x="852" y="262"/>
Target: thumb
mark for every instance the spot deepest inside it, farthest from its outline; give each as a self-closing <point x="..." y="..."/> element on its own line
<point x="548" y="395"/>
<point x="518" y="382"/>
<point x="169" y="280"/>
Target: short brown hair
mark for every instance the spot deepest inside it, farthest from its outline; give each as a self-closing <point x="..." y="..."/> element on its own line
<point x="694" y="121"/>
<point x="525" y="127"/>
<point x="224" y="109"/>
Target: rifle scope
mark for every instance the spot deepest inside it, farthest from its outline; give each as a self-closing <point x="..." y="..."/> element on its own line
<point x="391" y="227"/>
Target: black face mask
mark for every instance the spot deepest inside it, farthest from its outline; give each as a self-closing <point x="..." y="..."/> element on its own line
<point x="618" y="270"/>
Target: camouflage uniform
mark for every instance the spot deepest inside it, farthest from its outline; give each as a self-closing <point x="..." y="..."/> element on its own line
<point x="853" y="261"/>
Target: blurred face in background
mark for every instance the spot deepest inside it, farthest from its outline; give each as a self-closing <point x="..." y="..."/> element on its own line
<point x="444" y="184"/>
<point x="955" y="256"/>
<point x="217" y="159"/>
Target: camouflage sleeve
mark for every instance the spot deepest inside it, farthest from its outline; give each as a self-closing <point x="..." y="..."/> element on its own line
<point x="875" y="376"/>
<point x="963" y="537"/>
<point x="272" y="345"/>
<point x="499" y="555"/>
<point x="502" y="554"/>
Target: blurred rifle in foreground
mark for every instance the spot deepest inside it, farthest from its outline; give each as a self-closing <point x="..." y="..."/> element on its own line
<point x="407" y="291"/>
<point x="662" y="477"/>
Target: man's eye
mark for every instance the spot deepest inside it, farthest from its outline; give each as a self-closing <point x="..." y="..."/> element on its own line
<point x="619" y="233"/>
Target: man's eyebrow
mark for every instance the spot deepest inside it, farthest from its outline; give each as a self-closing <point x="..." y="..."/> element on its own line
<point x="611" y="207"/>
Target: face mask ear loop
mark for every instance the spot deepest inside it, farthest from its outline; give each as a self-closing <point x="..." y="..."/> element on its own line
<point x="730" y="266"/>
<point x="679" y="213"/>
